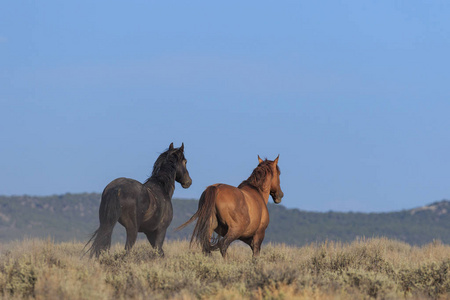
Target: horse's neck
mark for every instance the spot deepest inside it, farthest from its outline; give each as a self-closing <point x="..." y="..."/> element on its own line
<point x="266" y="195"/>
<point x="163" y="180"/>
<point x="165" y="187"/>
<point x="265" y="190"/>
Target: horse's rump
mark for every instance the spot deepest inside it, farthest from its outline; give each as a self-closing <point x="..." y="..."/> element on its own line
<point x="205" y="215"/>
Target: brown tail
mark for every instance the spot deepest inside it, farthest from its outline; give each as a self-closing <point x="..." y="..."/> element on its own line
<point x="206" y="209"/>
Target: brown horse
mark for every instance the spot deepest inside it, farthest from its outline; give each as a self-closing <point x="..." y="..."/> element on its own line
<point x="237" y="213"/>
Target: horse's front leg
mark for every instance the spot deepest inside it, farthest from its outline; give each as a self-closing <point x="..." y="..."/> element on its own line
<point x="257" y="240"/>
<point x="156" y="239"/>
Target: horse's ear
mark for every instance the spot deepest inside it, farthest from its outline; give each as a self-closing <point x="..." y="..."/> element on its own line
<point x="171" y="146"/>
<point x="259" y="159"/>
<point x="182" y="147"/>
<point x="276" y="160"/>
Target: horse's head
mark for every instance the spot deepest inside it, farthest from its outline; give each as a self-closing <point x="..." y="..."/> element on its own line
<point x="182" y="174"/>
<point x="275" y="188"/>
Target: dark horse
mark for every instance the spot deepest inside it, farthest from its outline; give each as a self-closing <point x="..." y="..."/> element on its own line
<point x="140" y="207"/>
<point x="237" y="213"/>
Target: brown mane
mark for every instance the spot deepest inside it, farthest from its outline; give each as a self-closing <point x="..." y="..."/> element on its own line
<point x="258" y="176"/>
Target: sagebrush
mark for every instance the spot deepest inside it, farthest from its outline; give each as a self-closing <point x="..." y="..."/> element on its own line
<point x="367" y="268"/>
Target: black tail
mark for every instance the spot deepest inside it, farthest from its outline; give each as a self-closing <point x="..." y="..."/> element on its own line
<point x="206" y="210"/>
<point x="109" y="214"/>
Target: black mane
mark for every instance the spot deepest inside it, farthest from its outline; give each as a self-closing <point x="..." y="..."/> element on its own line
<point x="164" y="169"/>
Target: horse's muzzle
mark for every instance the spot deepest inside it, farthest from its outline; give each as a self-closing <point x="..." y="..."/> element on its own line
<point x="186" y="184"/>
<point x="277" y="197"/>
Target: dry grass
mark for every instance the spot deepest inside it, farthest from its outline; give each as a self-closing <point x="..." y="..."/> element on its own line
<point x="372" y="268"/>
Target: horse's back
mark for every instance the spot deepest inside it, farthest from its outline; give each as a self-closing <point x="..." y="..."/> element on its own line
<point x="127" y="190"/>
<point x="123" y="182"/>
<point x="124" y="186"/>
<point x="228" y="197"/>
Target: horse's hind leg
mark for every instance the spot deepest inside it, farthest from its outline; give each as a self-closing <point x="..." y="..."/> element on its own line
<point x="225" y="242"/>
<point x="128" y="220"/>
<point x="156" y="239"/>
<point x="213" y="226"/>
<point x="131" y="237"/>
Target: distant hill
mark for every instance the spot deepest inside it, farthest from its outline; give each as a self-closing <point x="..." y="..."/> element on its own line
<point x="75" y="216"/>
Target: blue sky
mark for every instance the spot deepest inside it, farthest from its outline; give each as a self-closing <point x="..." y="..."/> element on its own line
<point x="353" y="95"/>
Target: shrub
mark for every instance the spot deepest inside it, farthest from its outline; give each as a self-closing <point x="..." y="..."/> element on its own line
<point x="368" y="268"/>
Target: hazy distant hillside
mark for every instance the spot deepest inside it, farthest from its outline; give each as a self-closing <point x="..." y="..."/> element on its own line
<point x="75" y="216"/>
<point x="64" y="217"/>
